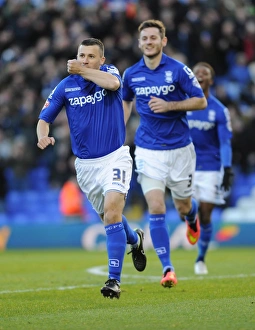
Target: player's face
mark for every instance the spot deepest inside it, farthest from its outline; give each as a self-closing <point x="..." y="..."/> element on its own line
<point x="151" y="43"/>
<point x="90" y="56"/>
<point x="204" y="76"/>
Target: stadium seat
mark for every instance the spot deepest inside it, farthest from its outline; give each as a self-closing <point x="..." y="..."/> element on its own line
<point x="238" y="192"/>
<point x="20" y="219"/>
<point x="4" y="220"/>
<point x="14" y="202"/>
<point x="232" y="214"/>
<point x="246" y="203"/>
<point x="39" y="178"/>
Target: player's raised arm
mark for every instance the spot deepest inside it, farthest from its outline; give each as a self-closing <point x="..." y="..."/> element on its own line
<point x="89" y="60"/>
<point x="104" y="79"/>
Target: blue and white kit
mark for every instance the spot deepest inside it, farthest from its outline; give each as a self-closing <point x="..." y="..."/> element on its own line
<point x="170" y="81"/>
<point x="104" y="114"/>
<point x="213" y="149"/>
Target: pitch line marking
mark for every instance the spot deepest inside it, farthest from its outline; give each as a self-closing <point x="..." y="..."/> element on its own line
<point x="102" y="271"/>
<point x="99" y="270"/>
<point x="60" y="288"/>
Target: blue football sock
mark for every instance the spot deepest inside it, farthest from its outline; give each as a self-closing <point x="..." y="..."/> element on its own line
<point x="132" y="236"/>
<point x="116" y="246"/>
<point x="204" y="240"/>
<point x="191" y="216"/>
<point x="160" y="239"/>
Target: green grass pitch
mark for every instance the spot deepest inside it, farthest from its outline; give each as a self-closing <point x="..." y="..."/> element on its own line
<point x="60" y="290"/>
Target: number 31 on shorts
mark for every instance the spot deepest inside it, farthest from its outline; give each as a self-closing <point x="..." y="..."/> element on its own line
<point x="119" y="175"/>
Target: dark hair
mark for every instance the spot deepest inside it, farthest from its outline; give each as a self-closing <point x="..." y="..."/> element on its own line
<point x="92" y="42"/>
<point x="207" y="65"/>
<point x="153" y="23"/>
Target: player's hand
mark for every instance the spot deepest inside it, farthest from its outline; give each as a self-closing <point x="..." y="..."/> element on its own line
<point x="158" y="105"/>
<point x="74" y="66"/>
<point x="45" y="141"/>
<point x="227" y="178"/>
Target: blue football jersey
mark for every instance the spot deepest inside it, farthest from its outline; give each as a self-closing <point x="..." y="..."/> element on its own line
<point x="210" y="129"/>
<point x="171" y="81"/>
<point x="95" y="115"/>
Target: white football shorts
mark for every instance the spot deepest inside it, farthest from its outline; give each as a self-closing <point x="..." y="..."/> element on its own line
<point x="109" y="173"/>
<point x="173" y="168"/>
<point x="207" y="187"/>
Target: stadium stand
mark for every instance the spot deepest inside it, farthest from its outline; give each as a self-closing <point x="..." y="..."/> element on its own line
<point x="36" y="39"/>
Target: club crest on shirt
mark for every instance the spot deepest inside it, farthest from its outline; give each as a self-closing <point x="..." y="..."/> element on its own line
<point x="168" y="76"/>
<point x="211" y="115"/>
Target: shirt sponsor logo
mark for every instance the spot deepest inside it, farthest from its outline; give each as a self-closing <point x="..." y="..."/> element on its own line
<point x="138" y="79"/>
<point x="72" y="89"/>
<point x="155" y="90"/>
<point x="82" y="100"/>
<point x="201" y="125"/>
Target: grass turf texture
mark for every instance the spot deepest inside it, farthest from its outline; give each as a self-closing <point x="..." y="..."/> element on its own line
<point x="52" y="289"/>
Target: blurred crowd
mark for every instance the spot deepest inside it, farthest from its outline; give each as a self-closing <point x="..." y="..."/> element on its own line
<point x="38" y="37"/>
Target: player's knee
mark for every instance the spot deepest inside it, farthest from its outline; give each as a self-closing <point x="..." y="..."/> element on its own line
<point x="112" y="215"/>
<point x="156" y="207"/>
<point x="183" y="207"/>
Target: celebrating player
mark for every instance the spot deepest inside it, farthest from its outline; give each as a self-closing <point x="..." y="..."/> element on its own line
<point x="165" y="157"/>
<point x="92" y="97"/>
<point x="211" y="134"/>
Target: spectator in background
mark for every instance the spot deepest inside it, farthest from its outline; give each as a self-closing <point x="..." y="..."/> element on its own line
<point x="71" y="198"/>
<point x="21" y="161"/>
<point x="71" y="201"/>
<point x="211" y="134"/>
<point x="239" y="72"/>
<point x="3" y="187"/>
<point x="249" y="39"/>
<point x="37" y="36"/>
<point x="5" y="152"/>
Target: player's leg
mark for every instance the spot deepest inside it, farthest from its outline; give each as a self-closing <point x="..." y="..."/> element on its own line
<point x="188" y="209"/>
<point x="115" y="242"/>
<point x="137" y="250"/>
<point x="152" y="172"/>
<point x="95" y="178"/>
<point x="209" y="194"/>
<point x="115" y="178"/>
<point x="205" y="212"/>
<point x="181" y="184"/>
<point x="155" y="197"/>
